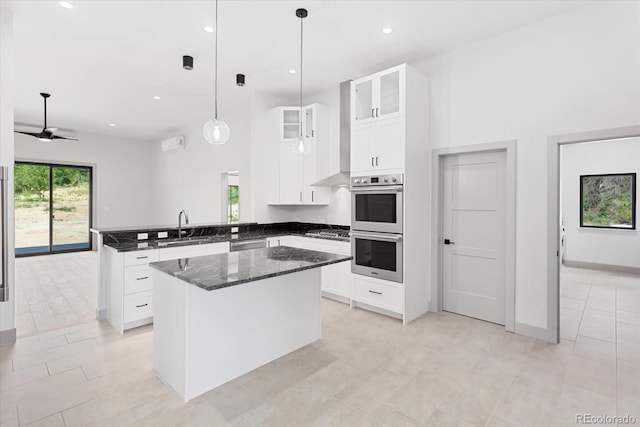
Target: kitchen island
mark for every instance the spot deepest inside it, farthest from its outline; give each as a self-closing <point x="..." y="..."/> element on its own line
<point x="220" y="316"/>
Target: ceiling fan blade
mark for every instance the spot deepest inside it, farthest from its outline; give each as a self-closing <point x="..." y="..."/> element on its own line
<point x="64" y="137"/>
<point x="36" y="134"/>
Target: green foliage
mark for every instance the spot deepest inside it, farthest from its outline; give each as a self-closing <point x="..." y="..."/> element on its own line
<point x="32" y="179"/>
<point x="607" y="200"/>
<point x="233" y="200"/>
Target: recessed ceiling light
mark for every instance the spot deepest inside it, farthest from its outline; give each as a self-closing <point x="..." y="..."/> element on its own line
<point x="208" y="29"/>
<point x="156" y="97"/>
<point x="112" y="124"/>
<point x="66" y="5"/>
<point x="292" y="71"/>
<point x="387" y="30"/>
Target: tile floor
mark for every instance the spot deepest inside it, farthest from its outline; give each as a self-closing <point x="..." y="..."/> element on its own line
<point x="368" y="370"/>
<point x="55" y="291"/>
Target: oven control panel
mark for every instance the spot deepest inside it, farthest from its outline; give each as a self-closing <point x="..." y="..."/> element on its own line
<point x="377" y="180"/>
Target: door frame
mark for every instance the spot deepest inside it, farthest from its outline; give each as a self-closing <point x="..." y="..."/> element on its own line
<point x="437" y="188"/>
<point x="553" y="212"/>
<point x="92" y="194"/>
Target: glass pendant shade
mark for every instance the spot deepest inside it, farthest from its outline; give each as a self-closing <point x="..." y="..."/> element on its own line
<point x="301" y="145"/>
<point x="216" y="132"/>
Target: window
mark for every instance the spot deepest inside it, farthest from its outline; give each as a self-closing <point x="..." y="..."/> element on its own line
<point x="52" y="208"/>
<point x="233" y="197"/>
<point x="608" y="201"/>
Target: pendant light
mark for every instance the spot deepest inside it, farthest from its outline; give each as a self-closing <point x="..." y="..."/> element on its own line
<point x="216" y="131"/>
<point x="302" y="144"/>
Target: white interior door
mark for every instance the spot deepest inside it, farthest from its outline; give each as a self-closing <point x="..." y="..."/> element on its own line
<point x="474" y="228"/>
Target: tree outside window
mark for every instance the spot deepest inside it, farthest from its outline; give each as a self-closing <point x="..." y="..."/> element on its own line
<point x="233" y="203"/>
<point x="608" y="201"/>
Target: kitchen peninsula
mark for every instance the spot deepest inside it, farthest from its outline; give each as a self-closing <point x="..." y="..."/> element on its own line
<point x="220" y="316"/>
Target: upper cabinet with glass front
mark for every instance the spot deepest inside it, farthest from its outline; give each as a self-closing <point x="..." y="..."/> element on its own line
<point x="289" y="123"/>
<point x="380" y="95"/>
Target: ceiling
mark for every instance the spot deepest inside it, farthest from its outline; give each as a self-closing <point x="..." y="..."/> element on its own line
<point x="103" y="61"/>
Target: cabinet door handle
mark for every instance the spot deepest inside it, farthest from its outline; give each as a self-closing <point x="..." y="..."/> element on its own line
<point x="142" y="278"/>
<point x="313" y="133"/>
<point x="312" y="195"/>
<point x="142" y="305"/>
<point x="377" y="161"/>
<point x="373" y="112"/>
<point x="142" y="257"/>
<point x="301" y="196"/>
<point x="372" y="162"/>
<point x="374" y="292"/>
<point x="377" y="115"/>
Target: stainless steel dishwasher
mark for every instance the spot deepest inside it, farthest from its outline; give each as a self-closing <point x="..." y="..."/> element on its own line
<point x="242" y="245"/>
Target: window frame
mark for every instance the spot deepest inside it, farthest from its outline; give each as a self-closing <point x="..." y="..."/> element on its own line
<point x="633" y="201"/>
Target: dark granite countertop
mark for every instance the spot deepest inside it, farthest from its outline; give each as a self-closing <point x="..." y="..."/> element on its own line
<point x="141" y="245"/>
<point x="127" y="240"/>
<point x="148" y="228"/>
<point x="213" y="272"/>
<point x="134" y="245"/>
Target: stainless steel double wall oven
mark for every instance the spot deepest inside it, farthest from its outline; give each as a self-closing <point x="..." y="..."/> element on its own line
<point x="376" y="226"/>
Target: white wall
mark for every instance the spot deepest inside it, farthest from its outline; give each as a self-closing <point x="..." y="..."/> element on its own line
<point x="7" y="308"/>
<point x="598" y="246"/>
<point x="190" y="179"/>
<point x="123" y="183"/>
<point x="576" y="71"/>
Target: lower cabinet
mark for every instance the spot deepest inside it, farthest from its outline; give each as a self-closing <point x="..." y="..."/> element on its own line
<point x="377" y="293"/>
<point x="337" y="280"/>
<point x="130" y="281"/>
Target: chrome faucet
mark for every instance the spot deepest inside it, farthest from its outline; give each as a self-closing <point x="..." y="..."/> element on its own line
<point x="186" y="221"/>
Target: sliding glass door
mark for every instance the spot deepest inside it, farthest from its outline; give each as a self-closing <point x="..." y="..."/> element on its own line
<point x="52" y="208"/>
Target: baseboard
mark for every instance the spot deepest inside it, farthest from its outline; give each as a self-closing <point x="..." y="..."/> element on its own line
<point x="543" y="334"/>
<point x="101" y="314"/>
<point x="335" y="297"/>
<point x="603" y="267"/>
<point x="8" y="336"/>
<point x="375" y="309"/>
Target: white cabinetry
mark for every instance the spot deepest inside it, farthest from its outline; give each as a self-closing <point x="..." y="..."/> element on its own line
<point x="378" y="96"/>
<point x="130" y="283"/>
<point x="390" y="134"/>
<point x="378" y="118"/>
<point x="378" y="293"/>
<point x="297" y="171"/>
<point x="337" y="280"/>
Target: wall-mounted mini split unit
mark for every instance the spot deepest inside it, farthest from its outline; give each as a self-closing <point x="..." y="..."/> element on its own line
<point x="173" y="143"/>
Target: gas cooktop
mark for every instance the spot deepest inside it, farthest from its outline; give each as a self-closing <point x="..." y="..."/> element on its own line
<point x="329" y="232"/>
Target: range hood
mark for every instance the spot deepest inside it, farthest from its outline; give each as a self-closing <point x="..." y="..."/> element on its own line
<point x="341" y="177"/>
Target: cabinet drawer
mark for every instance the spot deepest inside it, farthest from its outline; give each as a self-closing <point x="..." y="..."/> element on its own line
<point x="138" y="306"/>
<point x="378" y="294"/>
<point x="140" y="257"/>
<point x="137" y="279"/>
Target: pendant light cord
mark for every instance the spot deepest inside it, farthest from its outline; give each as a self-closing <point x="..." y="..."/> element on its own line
<point x="216" y="65"/>
<point x="301" y="38"/>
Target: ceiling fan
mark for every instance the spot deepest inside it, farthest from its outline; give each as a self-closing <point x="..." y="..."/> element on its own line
<point x="47" y="133"/>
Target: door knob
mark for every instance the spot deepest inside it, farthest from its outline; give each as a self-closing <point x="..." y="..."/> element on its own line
<point x="448" y="242"/>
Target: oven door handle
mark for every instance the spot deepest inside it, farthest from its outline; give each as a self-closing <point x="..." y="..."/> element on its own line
<point x="381" y="189"/>
<point x="376" y="236"/>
